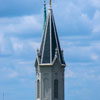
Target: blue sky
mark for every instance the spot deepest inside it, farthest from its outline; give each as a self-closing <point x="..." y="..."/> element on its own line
<point x="78" y="25"/>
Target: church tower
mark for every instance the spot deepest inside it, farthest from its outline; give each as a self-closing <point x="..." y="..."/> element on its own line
<point x="50" y="63"/>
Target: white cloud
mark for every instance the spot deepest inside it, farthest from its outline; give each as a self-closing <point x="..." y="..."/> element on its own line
<point x="81" y="49"/>
<point x="80" y="53"/>
<point x="96" y="23"/>
<point x="24" y="46"/>
<point x="1" y="43"/>
<point x="13" y="26"/>
<point x="25" y="68"/>
<point x="9" y="73"/>
<point x="97" y="16"/>
<point x="96" y="29"/>
<point x="18" y="46"/>
<point x="35" y="45"/>
<point x="20" y="24"/>
<point x="95" y="3"/>
<point x="12" y="74"/>
<point x="69" y="74"/>
<point x="82" y="71"/>
<point x="5" y="45"/>
<point x="94" y="57"/>
<point x="72" y="18"/>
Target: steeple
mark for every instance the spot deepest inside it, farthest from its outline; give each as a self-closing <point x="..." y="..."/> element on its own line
<point x="50" y="46"/>
<point x="50" y="64"/>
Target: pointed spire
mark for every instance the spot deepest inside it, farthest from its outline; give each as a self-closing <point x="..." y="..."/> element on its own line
<point x="45" y="15"/>
<point x="50" y="45"/>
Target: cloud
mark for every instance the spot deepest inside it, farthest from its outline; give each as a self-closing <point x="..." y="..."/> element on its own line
<point x="69" y="74"/>
<point x="96" y="24"/>
<point x="71" y="19"/>
<point x="20" y="25"/>
<point x="80" y="49"/>
<point x="15" y="34"/>
<point x="24" y="48"/>
<point x="16" y="47"/>
<point x="24" y="67"/>
<point x="78" y="28"/>
<point x="95" y="3"/>
<point x="84" y="71"/>
<point x="10" y="73"/>
<point x="5" y="46"/>
<point x="17" y="69"/>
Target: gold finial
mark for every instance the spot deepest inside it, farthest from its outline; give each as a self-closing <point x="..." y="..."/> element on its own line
<point x="50" y="3"/>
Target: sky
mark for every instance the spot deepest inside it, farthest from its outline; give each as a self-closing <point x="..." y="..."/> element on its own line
<point x="78" y="26"/>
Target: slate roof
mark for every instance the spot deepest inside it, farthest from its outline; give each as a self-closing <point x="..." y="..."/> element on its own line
<point x="50" y="45"/>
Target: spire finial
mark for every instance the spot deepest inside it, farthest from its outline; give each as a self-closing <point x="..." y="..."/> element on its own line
<point x="45" y="15"/>
<point x="44" y="2"/>
<point x="50" y="3"/>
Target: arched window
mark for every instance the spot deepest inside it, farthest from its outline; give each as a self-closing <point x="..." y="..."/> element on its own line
<point x="38" y="89"/>
<point x="55" y="89"/>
